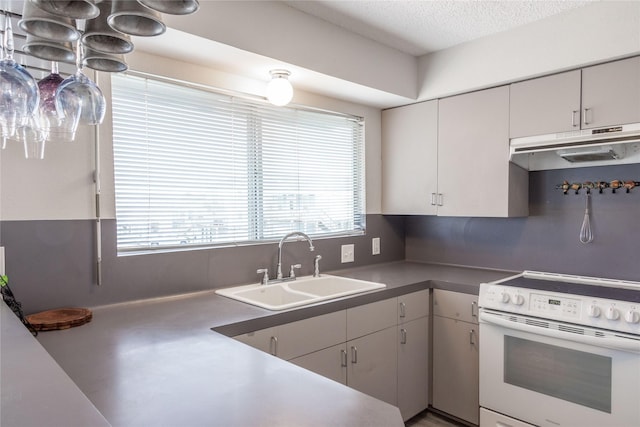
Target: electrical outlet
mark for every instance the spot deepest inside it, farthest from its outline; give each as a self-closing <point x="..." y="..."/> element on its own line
<point x="375" y="246"/>
<point x="346" y="254"/>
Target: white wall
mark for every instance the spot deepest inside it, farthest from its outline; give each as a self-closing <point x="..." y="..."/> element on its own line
<point x="58" y="187"/>
<point x="594" y="33"/>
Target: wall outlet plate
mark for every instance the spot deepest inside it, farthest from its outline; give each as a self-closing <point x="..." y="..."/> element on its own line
<point x="346" y="253"/>
<point x="375" y="246"/>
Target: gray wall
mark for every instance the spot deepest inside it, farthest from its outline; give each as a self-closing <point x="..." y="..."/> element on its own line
<point x="547" y="239"/>
<point x="51" y="264"/>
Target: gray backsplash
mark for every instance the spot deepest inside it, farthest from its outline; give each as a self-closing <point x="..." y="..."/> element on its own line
<point x="547" y="239"/>
<point x="51" y="264"/>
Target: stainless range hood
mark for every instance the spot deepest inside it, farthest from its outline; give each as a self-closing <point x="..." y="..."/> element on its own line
<point x="590" y="147"/>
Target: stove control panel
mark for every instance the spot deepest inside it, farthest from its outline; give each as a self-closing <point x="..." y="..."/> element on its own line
<point x="616" y="315"/>
<point x="563" y="307"/>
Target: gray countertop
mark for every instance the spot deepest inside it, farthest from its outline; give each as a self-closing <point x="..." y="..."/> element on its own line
<point x="158" y="362"/>
<point x="35" y="390"/>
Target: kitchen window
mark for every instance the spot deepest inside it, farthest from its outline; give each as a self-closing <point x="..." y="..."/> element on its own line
<point x="198" y="168"/>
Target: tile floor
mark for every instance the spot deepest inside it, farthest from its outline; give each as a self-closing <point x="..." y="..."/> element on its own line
<point x="429" y="419"/>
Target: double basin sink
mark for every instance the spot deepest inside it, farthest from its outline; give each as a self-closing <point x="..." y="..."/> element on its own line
<point x="299" y="292"/>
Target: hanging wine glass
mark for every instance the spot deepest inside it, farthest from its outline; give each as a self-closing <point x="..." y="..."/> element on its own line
<point x="54" y="125"/>
<point x="19" y="94"/>
<point x="79" y="96"/>
<point x="32" y="138"/>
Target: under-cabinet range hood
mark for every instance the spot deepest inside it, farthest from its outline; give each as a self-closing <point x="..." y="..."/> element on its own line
<point x="588" y="147"/>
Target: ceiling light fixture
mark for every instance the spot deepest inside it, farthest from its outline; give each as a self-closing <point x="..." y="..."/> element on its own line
<point x="279" y="89"/>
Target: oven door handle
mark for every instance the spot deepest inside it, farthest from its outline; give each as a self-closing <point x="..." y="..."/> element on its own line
<point x="623" y="344"/>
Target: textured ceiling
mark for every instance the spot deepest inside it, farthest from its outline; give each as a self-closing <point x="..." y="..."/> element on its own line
<point x="421" y="27"/>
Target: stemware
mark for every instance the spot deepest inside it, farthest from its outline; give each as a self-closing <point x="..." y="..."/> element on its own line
<point x="79" y="96"/>
<point x="19" y="95"/>
<point x="54" y="125"/>
<point x="32" y="138"/>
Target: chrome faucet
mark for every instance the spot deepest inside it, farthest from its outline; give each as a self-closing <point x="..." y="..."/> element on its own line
<point x="295" y="233"/>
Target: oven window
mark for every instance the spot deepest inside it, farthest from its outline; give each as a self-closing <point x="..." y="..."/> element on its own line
<point x="571" y="375"/>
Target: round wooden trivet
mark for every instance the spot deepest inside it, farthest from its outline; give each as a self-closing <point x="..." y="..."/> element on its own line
<point x="61" y="318"/>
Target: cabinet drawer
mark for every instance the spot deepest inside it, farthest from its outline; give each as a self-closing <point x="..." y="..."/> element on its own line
<point x="370" y="318"/>
<point x="413" y="306"/>
<point x="309" y="335"/>
<point x="493" y="419"/>
<point x="260" y="339"/>
<point x="299" y="338"/>
<point x="455" y="305"/>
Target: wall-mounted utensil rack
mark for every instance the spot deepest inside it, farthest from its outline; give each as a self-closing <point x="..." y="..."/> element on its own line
<point x="614" y="185"/>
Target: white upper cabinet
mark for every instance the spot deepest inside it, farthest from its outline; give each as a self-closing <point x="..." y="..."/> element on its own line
<point x="545" y="105"/>
<point x="475" y="177"/>
<point x="410" y="159"/>
<point x="598" y="96"/>
<point x="611" y="94"/>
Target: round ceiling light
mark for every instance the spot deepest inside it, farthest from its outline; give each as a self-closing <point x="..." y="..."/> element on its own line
<point x="279" y="89"/>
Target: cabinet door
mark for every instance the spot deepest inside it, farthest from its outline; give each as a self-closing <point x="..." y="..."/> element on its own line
<point x="409" y="159"/>
<point x="545" y="105"/>
<point x="611" y="93"/>
<point x="330" y="363"/>
<point x="372" y="366"/>
<point x="475" y="177"/>
<point x="413" y="306"/>
<point x="413" y="364"/>
<point x="455" y="368"/>
<point x="455" y="305"/>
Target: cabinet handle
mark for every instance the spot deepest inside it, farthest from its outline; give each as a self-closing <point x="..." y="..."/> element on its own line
<point x="440" y="199"/>
<point x="501" y="424"/>
<point x="474" y="309"/>
<point x="472" y="337"/>
<point x="273" y="346"/>
<point x="354" y="354"/>
<point x="573" y="118"/>
<point x="343" y="358"/>
<point x="584" y="116"/>
<point x="403" y="310"/>
<point x="433" y="199"/>
<point x="403" y="336"/>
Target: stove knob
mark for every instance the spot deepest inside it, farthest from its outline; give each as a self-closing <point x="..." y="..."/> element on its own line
<point x="612" y="313"/>
<point x="518" y="299"/>
<point x="593" y="311"/>
<point x="632" y="316"/>
<point x="504" y="297"/>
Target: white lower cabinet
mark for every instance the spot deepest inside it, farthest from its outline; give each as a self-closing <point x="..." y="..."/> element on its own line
<point x="372" y="366"/>
<point x="413" y="369"/>
<point x="380" y="349"/>
<point x="456" y="354"/>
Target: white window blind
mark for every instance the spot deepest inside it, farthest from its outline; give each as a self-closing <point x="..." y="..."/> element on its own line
<point x="199" y="168"/>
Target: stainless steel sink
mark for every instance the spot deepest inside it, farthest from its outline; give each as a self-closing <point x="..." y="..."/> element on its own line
<point x="300" y="292"/>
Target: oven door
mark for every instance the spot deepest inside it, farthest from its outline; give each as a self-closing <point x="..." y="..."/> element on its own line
<point x="557" y="375"/>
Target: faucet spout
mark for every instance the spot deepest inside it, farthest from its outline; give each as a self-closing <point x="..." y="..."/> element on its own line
<point x="300" y="236"/>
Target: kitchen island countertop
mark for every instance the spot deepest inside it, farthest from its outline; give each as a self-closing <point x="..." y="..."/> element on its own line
<point x="158" y="362"/>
